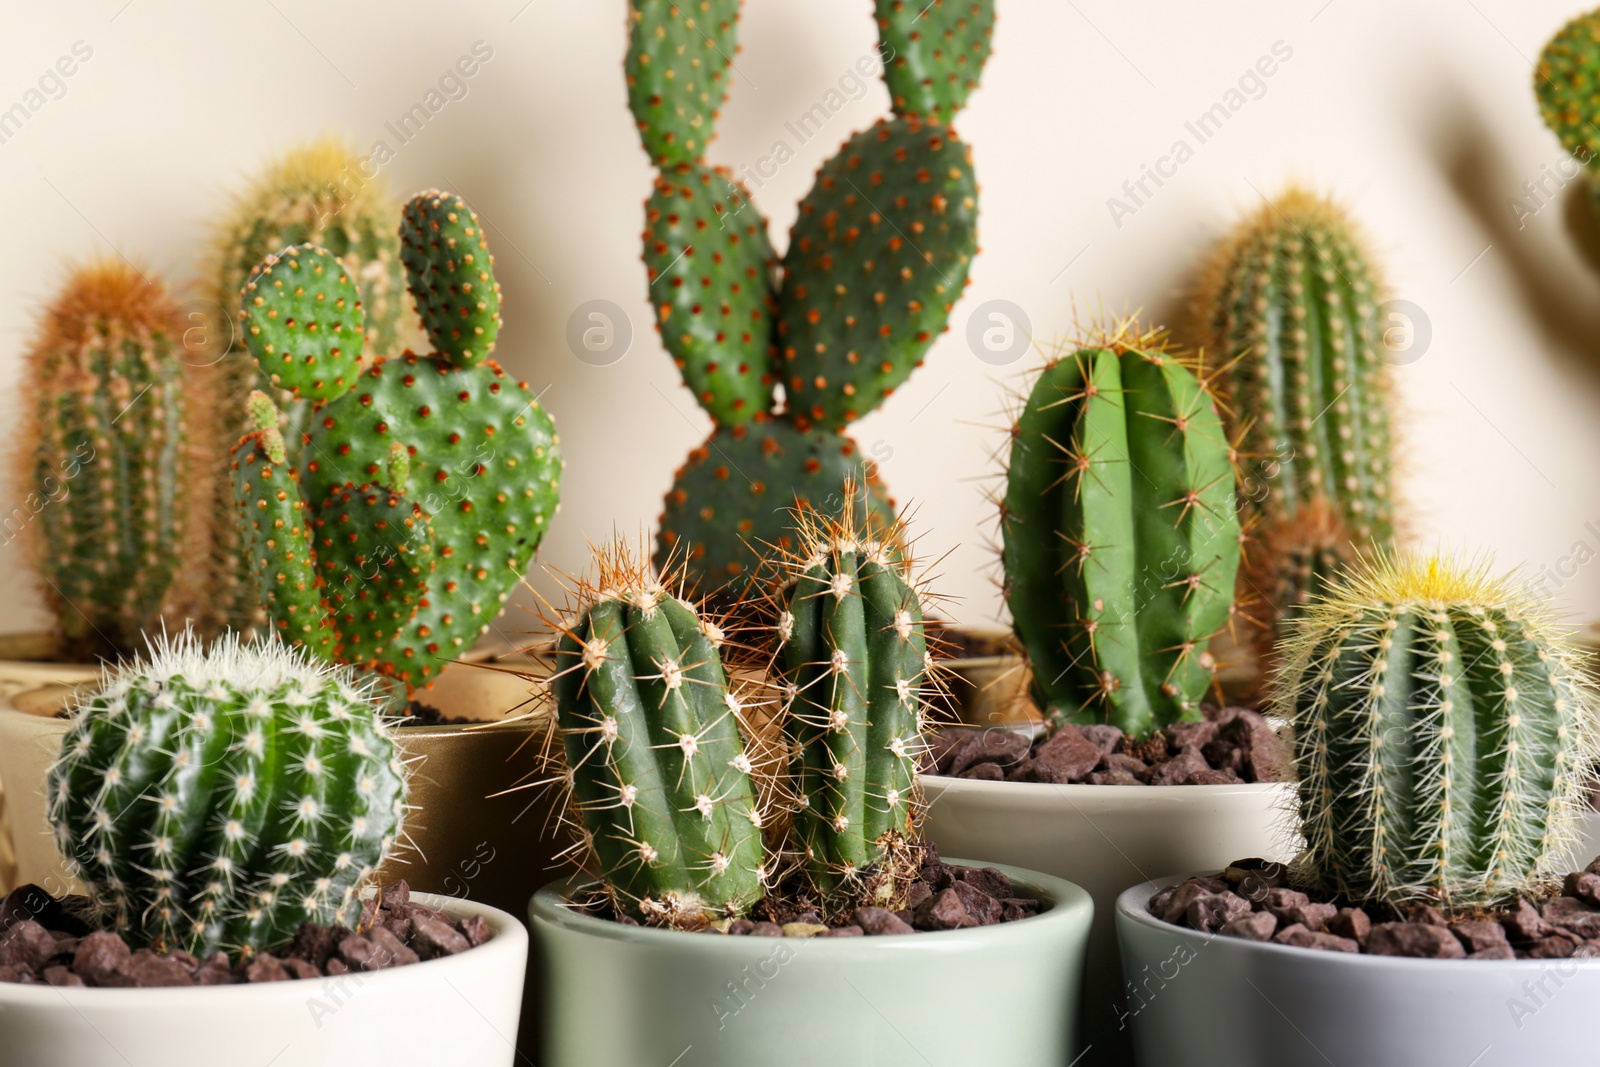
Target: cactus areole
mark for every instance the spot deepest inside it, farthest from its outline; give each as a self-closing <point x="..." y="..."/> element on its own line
<point x="878" y="257"/>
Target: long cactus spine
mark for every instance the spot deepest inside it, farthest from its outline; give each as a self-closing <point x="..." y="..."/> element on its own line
<point x="1444" y="735"/>
<point x="108" y="456"/>
<point x="1121" y="538"/>
<point x="217" y="800"/>
<point x="658" y="770"/>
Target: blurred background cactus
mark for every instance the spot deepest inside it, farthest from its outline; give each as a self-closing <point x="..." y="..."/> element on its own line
<point x="699" y="787"/>
<point x="1444" y="736"/>
<point x="1564" y="82"/>
<point x="112" y="518"/>
<point x="1289" y="301"/>
<point x="426" y="482"/>
<point x="302" y="795"/>
<point x="877" y="258"/>
<point x="1120" y="534"/>
<point x="317" y="193"/>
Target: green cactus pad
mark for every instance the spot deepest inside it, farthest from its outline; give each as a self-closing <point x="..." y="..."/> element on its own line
<point x="935" y="53"/>
<point x="217" y="800"/>
<point x="1565" y="80"/>
<point x="374" y="550"/>
<point x="1444" y="737"/>
<point x="1121" y="538"/>
<point x="738" y="492"/>
<point x="274" y="533"/>
<point x="855" y="654"/>
<point x="877" y="259"/>
<point x="306" y="335"/>
<point x="706" y="248"/>
<point x="677" y="70"/>
<point x="486" y="468"/>
<point x="451" y="276"/>
<point x="659" y="772"/>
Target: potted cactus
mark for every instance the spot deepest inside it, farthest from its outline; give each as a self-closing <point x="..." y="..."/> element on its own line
<point x="224" y="812"/>
<point x="422" y="487"/>
<point x="1445" y="733"/>
<point x="1121" y="541"/>
<point x="731" y="847"/>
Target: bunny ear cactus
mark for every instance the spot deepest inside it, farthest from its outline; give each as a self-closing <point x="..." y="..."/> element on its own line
<point x="217" y="799"/>
<point x="658" y="771"/>
<point x="316" y="195"/>
<point x="1290" y="298"/>
<point x="1121" y="540"/>
<point x="108" y="456"/>
<point x="1564" y="82"/>
<point x="855" y="657"/>
<point x="1444" y="736"/>
<point x="878" y="256"/>
<point x="426" y="483"/>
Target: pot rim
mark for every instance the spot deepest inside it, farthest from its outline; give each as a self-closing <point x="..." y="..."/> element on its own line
<point x="505" y="949"/>
<point x="1132" y="906"/>
<point x="947" y="784"/>
<point x="1069" y="903"/>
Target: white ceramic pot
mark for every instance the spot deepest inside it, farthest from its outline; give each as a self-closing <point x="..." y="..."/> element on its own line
<point x="1212" y="1001"/>
<point x="629" y="996"/>
<point x="456" y="1010"/>
<point x="1106" y="838"/>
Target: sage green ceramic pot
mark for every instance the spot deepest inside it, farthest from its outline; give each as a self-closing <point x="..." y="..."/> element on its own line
<point x="627" y="996"/>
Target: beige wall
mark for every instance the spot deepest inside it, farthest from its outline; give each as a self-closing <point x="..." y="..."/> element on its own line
<point x="1418" y="112"/>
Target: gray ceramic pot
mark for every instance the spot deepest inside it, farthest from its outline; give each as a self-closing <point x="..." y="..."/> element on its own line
<point x="626" y="996"/>
<point x="1104" y="838"/>
<point x="1210" y="1001"/>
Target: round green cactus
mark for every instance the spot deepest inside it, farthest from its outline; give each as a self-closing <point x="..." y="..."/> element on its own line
<point x="855" y="657"/>
<point x="218" y="799"/>
<point x="1564" y="81"/>
<point x="1445" y="736"/>
<point x="108" y="452"/>
<point x="1121" y="537"/>
<point x="739" y="494"/>
<point x="306" y="332"/>
<point x="655" y="761"/>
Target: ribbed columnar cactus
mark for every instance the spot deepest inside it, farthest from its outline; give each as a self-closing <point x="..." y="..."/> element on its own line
<point x="425" y="482"/>
<point x="1290" y="300"/>
<point x="855" y="656"/>
<point x="877" y="258"/>
<point x="658" y="770"/>
<point x="1445" y="736"/>
<point x="217" y="800"/>
<point x="317" y="194"/>
<point x="1121" y="537"/>
<point x="107" y="454"/>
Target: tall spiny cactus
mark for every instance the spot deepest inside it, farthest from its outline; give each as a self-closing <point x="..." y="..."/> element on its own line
<point x="656" y="765"/>
<point x="318" y="194"/>
<point x="1290" y="299"/>
<point x="855" y="657"/>
<point x="876" y="260"/>
<point x="217" y="800"/>
<point x="1120" y="531"/>
<point x="1445" y="735"/>
<point x="425" y="483"/>
<point x="107" y="455"/>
